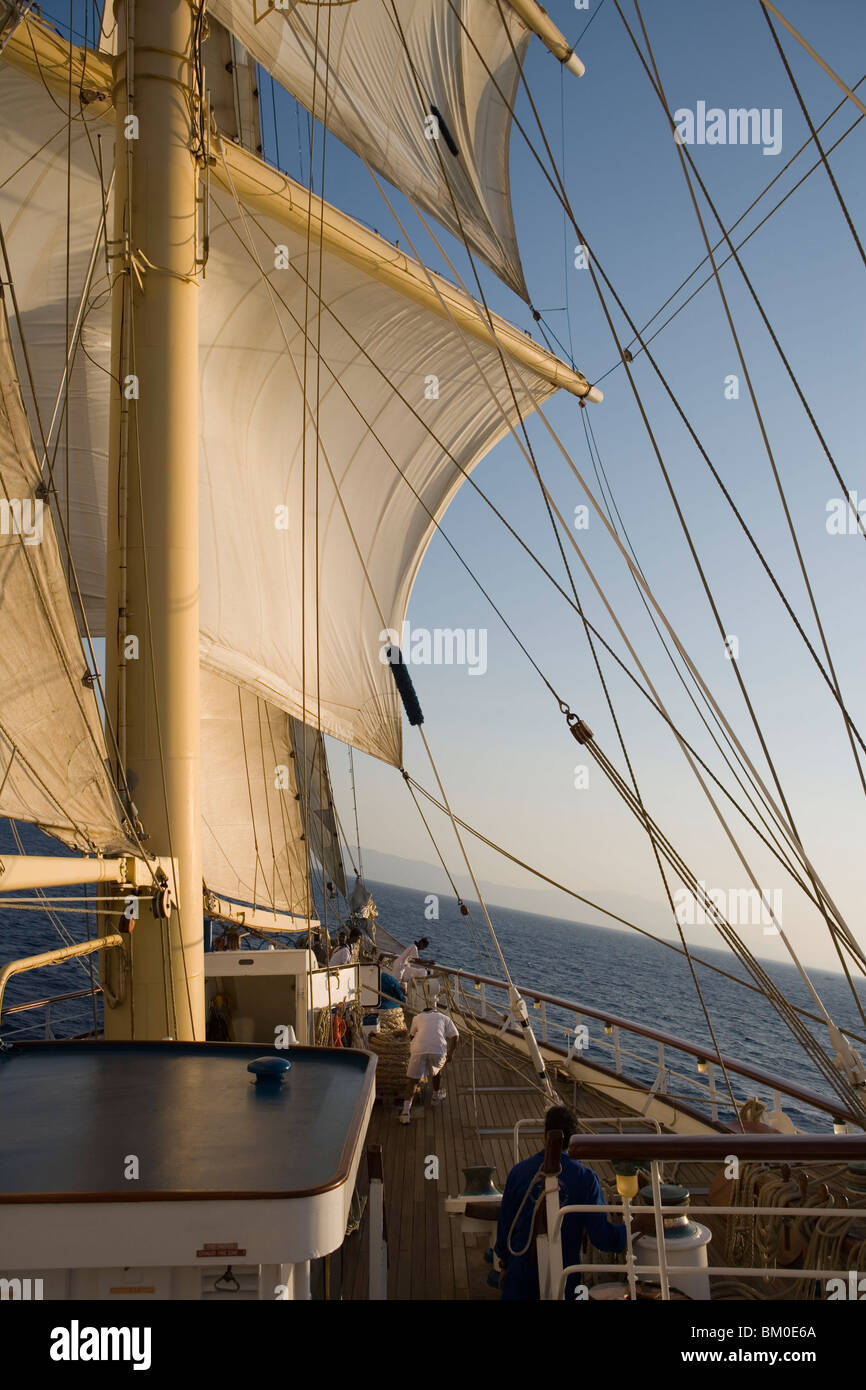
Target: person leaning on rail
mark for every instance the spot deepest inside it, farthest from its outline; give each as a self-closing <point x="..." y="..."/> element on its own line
<point x="515" y="1247"/>
<point x="402" y="967"/>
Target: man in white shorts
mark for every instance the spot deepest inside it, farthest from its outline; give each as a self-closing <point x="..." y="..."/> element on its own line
<point x="433" y="1040"/>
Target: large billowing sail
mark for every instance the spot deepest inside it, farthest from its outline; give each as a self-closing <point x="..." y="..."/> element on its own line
<point x="317" y="802"/>
<point x="253" y="845"/>
<point x="321" y="475"/>
<point x="52" y="753"/>
<point x="377" y="71"/>
<point x="314" y="520"/>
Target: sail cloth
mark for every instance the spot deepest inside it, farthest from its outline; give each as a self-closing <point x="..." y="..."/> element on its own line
<point x="53" y="768"/>
<point x="33" y="201"/>
<point x="253" y="846"/>
<point x="396" y="413"/>
<point x="310" y="542"/>
<point x="385" y="65"/>
<point x="317" y="801"/>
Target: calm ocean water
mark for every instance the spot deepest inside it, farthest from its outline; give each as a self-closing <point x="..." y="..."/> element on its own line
<point x="638" y="979"/>
<point x="598" y="967"/>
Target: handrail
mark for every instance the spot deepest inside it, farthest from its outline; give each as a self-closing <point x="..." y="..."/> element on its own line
<point x="783" y="1148"/>
<point x="53" y="999"/>
<point x="82" y="948"/>
<point x="651" y="1150"/>
<point x="538" y="1122"/>
<point x="702" y="1053"/>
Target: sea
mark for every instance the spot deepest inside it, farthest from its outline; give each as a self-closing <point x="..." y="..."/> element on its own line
<point x="597" y="967"/>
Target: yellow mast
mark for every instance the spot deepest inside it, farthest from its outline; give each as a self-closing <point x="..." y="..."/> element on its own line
<point x="152" y="642"/>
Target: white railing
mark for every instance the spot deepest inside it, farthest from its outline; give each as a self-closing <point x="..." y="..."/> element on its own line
<point x="783" y="1148"/>
<point x="471" y="995"/>
<point x="63" y="953"/>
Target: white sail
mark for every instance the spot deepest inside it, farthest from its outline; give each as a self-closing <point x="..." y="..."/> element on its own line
<point x="390" y="355"/>
<point x="388" y="64"/>
<point x="252" y="832"/>
<point x="52" y="753"/>
<point x="317" y="801"/>
<point x="33" y="200"/>
<point x="353" y="499"/>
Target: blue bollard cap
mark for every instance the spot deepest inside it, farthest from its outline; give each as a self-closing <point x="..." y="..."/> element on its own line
<point x="270" y="1070"/>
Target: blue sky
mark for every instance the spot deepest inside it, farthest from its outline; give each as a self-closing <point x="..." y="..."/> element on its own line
<point x="506" y="757"/>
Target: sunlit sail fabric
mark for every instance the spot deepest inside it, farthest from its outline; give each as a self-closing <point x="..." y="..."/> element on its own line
<point x="33" y="200"/>
<point x="52" y="755"/>
<point x="372" y="489"/>
<point x="317" y="802"/>
<point x="252" y="832"/>
<point x="379" y="97"/>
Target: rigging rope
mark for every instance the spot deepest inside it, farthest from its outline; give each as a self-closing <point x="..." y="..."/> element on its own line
<point x="597" y="907"/>
<point x="594" y="263"/>
<point x="814" y="134"/>
<point x="480" y="942"/>
<point x="568" y="458"/>
<point x="672" y="659"/>
<point x="818" y="59"/>
<point x="622" y="744"/>
<point x="818" y="887"/>
<point x="355" y="805"/>
<point x="776" y="846"/>
<point x="684" y="162"/>
<point x="709" y="278"/>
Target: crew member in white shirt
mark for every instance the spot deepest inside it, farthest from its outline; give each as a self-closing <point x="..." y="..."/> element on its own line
<point x="402" y="968"/>
<point x="433" y="1038"/>
<point x="348" y="954"/>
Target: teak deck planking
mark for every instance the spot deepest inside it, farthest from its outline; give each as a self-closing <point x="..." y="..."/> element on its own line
<point x="429" y="1258"/>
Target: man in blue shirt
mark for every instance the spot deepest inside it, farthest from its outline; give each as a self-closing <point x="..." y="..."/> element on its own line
<point x="577" y="1186"/>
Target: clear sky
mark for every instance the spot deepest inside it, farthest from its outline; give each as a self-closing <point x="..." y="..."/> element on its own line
<point x="507" y="759"/>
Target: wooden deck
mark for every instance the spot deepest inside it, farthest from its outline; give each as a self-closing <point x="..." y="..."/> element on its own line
<point x="429" y="1258"/>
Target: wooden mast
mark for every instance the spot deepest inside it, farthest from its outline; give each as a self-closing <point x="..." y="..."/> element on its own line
<point x="152" y="642"/>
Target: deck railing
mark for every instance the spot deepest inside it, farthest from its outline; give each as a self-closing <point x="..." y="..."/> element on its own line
<point x="48" y="958"/>
<point x="664" y="1270"/>
<point x="471" y="994"/>
<point x="51" y="1019"/>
